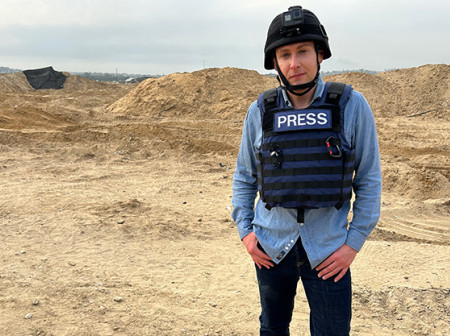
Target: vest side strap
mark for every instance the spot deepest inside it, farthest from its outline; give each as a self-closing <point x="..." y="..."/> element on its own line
<point x="301" y="216"/>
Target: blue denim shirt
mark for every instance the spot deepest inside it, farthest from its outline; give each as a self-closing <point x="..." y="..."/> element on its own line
<point x="325" y="229"/>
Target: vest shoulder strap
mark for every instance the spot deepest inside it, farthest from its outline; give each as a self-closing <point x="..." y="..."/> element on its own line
<point x="335" y="92"/>
<point x="270" y="99"/>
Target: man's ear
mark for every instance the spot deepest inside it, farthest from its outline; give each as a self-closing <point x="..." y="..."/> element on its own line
<point x="320" y="53"/>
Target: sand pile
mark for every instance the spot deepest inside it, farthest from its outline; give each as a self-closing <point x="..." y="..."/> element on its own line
<point x="14" y="83"/>
<point x="225" y="93"/>
<point x="207" y="94"/>
<point x="79" y="83"/>
<point x="26" y="117"/>
<point x="404" y="92"/>
<point x="55" y="110"/>
<point x="18" y="83"/>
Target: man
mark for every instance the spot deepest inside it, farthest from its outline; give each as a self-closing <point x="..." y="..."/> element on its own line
<point x="305" y="146"/>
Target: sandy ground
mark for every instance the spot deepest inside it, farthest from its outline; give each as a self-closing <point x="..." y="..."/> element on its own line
<point x="115" y="208"/>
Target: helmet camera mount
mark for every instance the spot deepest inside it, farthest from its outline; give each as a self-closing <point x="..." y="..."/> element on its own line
<point x="292" y="21"/>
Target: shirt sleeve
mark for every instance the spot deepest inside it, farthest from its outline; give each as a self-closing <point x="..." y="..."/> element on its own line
<point x="367" y="180"/>
<point x="245" y="184"/>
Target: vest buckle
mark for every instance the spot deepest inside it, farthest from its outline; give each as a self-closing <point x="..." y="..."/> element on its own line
<point x="276" y="154"/>
<point x="333" y="147"/>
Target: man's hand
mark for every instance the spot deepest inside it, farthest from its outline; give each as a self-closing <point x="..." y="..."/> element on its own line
<point x="337" y="263"/>
<point x="259" y="257"/>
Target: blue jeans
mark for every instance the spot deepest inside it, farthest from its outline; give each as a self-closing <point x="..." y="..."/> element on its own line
<point x="329" y="302"/>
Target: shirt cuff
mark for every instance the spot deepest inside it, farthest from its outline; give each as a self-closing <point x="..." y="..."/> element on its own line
<point x="244" y="228"/>
<point x="355" y="239"/>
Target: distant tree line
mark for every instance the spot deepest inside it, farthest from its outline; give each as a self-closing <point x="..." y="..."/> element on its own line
<point x="114" y="77"/>
<point x="99" y="76"/>
<point x="338" y="72"/>
<point x="8" y="70"/>
<point x="137" y="78"/>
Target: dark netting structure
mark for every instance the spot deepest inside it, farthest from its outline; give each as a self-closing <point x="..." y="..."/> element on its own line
<point x="45" y="78"/>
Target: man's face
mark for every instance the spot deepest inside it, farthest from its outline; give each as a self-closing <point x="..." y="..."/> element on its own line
<point x="298" y="62"/>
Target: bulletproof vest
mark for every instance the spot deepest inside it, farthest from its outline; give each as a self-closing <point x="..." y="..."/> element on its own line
<point x="305" y="161"/>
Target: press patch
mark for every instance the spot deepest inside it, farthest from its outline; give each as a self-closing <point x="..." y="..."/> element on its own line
<point x="296" y="120"/>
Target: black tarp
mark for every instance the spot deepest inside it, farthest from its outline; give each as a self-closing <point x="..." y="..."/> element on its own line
<point x="45" y="78"/>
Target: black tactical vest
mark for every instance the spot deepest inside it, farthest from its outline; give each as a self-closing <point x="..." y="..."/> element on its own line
<point x="305" y="160"/>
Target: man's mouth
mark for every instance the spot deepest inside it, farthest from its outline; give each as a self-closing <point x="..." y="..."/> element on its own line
<point x="297" y="76"/>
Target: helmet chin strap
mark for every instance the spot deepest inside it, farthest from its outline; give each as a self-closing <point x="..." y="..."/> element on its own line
<point x="292" y="88"/>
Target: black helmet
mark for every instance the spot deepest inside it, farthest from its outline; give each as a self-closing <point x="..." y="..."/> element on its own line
<point x="295" y="25"/>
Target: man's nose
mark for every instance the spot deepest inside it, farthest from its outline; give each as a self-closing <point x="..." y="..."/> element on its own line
<point x="295" y="63"/>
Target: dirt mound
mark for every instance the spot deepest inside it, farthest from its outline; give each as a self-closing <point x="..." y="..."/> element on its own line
<point x="211" y="93"/>
<point x="14" y="83"/>
<point x="227" y="93"/>
<point x="18" y="83"/>
<point x="426" y="182"/>
<point x="26" y="117"/>
<point x="45" y="111"/>
<point x="78" y="83"/>
<point x="404" y="92"/>
<point x="422" y="89"/>
<point x="372" y="87"/>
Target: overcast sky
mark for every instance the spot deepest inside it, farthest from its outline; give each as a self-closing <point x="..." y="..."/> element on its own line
<point x="166" y="36"/>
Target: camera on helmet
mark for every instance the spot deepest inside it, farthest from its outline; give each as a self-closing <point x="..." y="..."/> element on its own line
<point x="293" y="17"/>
